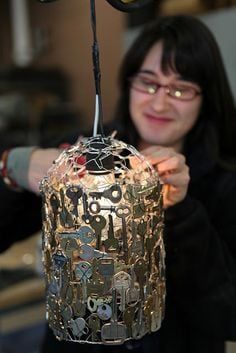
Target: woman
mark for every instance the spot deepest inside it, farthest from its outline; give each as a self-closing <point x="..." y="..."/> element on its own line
<point x="176" y="107"/>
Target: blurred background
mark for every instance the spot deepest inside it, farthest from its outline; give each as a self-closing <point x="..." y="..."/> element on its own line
<point x="47" y="91"/>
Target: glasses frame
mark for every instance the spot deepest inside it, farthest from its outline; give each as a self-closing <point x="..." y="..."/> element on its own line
<point x="156" y="86"/>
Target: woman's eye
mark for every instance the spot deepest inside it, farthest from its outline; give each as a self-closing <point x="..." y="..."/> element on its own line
<point x="180" y="89"/>
<point x="147" y="83"/>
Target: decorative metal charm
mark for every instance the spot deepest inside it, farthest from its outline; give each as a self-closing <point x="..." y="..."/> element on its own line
<point x="103" y="243"/>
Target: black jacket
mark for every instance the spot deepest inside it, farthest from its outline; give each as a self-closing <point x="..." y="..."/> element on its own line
<point x="200" y="238"/>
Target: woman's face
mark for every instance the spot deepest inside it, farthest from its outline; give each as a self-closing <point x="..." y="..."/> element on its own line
<point x="160" y="118"/>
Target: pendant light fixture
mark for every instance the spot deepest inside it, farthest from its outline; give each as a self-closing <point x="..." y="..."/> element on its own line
<point x="103" y="249"/>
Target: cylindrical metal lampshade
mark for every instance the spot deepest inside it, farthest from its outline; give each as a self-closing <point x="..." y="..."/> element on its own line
<point x="103" y="246"/>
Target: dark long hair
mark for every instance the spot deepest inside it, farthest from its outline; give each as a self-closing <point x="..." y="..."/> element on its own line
<point x="190" y="49"/>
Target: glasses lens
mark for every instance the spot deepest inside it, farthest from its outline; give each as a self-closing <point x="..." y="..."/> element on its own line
<point x="143" y="84"/>
<point x="183" y="93"/>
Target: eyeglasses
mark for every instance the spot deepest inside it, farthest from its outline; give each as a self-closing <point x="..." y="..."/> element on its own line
<point x="144" y="83"/>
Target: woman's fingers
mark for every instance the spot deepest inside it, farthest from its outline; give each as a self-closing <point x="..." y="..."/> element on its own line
<point x="173" y="171"/>
<point x="180" y="178"/>
<point x="175" y="163"/>
<point x="156" y="154"/>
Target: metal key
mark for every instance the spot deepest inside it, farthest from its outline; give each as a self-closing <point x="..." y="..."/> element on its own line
<point x="141" y="230"/>
<point x="131" y="194"/>
<point x="55" y="205"/>
<point x="95" y="207"/>
<point x="111" y="243"/>
<point x="59" y="261"/>
<point x="149" y="246"/>
<point x="154" y="222"/>
<point x="94" y="325"/>
<point x="66" y="312"/>
<point x="104" y="311"/>
<point x="113" y="194"/>
<point x="98" y="223"/>
<point x="148" y="309"/>
<point x="79" y="308"/>
<point x="106" y="269"/>
<point x="139" y="209"/>
<point x="87" y="252"/>
<point x="136" y="245"/>
<point x="86" y="235"/>
<point x="96" y="284"/>
<point x="69" y="245"/>
<point x="140" y="269"/>
<point x="67" y="293"/>
<point x="83" y="270"/>
<point x="53" y="287"/>
<point x="133" y="292"/>
<point x="156" y="313"/>
<point x="74" y="193"/>
<point x="86" y="217"/>
<point x="93" y="302"/>
<point x="128" y="317"/>
<point x="66" y="219"/>
<point x="123" y="212"/>
<point x="157" y="234"/>
<point x="113" y="332"/>
<point x="162" y="290"/>
<point x="159" y="256"/>
<point x="79" y="327"/>
<point x="121" y="281"/>
<point x="139" y="328"/>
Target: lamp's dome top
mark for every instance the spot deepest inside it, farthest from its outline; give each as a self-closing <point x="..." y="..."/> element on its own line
<point x="101" y="156"/>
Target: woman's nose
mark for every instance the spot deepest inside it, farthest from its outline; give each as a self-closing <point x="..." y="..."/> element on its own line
<point x="160" y="99"/>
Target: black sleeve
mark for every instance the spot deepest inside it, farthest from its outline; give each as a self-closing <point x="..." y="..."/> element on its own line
<point x="20" y="212"/>
<point x="200" y="262"/>
<point x="20" y="215"/>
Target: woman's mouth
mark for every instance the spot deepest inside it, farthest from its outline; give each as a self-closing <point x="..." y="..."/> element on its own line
<point x="158" y="119"/>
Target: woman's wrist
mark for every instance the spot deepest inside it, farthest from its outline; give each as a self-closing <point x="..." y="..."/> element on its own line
<point x="40" y="161"/>
<point x="4" y="172"/>
<point x="15" y="165"/>
<point x="24" y="167"/>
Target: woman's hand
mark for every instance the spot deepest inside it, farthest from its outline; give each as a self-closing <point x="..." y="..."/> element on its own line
<point x="173" y="172"/>
<point x="40" y="161"/>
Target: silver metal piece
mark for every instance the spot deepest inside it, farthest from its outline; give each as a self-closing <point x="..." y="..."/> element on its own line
<point x="113" y="332"/>
<point x="113" y="193"/>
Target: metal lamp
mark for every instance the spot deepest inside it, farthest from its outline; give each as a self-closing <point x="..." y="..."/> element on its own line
<point x="103" y="249"/>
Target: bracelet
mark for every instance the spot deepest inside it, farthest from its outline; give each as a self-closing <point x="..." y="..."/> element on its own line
<point x="4" y="172"/>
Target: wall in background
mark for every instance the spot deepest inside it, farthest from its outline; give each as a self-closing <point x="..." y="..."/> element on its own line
<point x="62" y="38"/>
<point x="222" y="23"/>
<point x="70" y="38"/>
